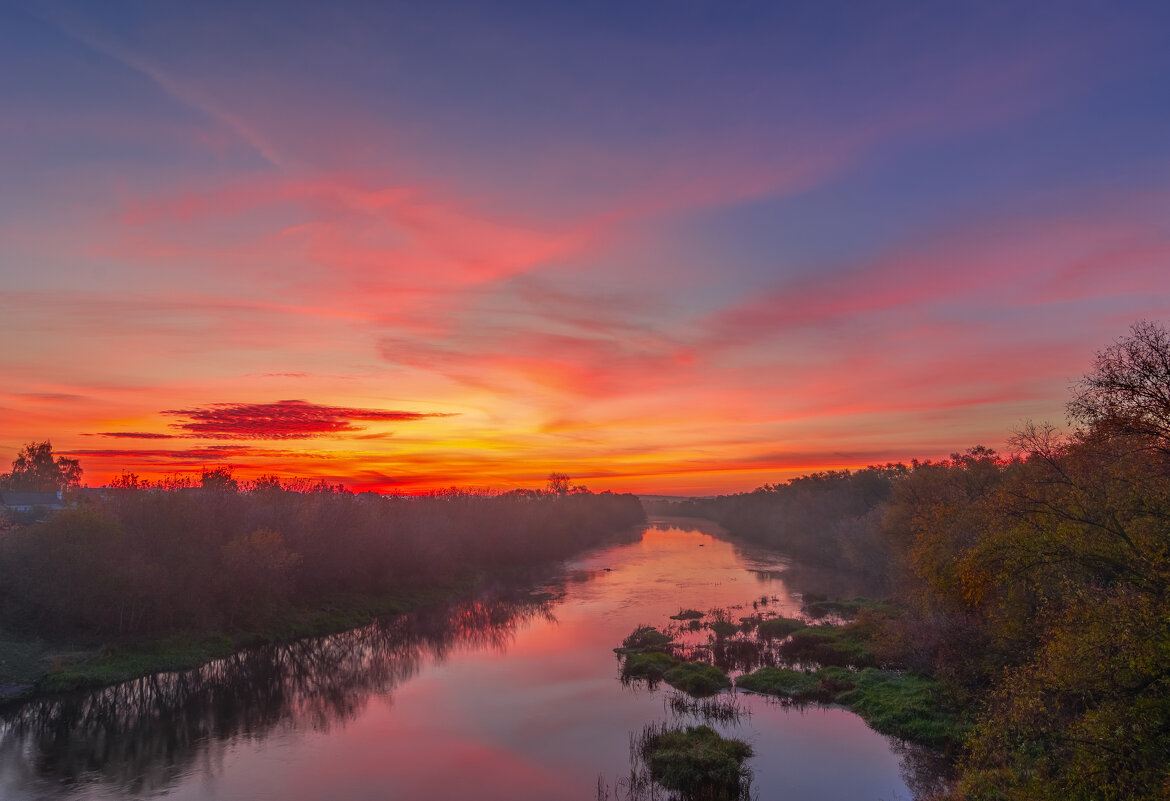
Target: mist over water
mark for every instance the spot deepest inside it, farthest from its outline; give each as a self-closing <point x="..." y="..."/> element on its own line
<point x="513" y="694"/>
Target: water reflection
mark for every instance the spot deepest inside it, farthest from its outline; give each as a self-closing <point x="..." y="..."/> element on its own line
<point x="313" y="719"/>
<point x="144" y="735"/>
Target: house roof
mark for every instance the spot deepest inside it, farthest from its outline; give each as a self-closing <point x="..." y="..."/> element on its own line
<point x="30" y="499"/>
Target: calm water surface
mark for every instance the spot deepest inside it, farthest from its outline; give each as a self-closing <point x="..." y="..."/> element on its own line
<point x="512" y="696"/>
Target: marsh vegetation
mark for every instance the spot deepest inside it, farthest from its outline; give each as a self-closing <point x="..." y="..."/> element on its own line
<point x="798" y="662"/>
<point x="682" y="763"/>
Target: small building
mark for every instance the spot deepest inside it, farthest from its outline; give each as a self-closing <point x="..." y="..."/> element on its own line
<point x="30" y="506"/>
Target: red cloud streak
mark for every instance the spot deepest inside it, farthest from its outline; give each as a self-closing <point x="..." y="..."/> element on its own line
<point x="131" y="435"/>
<point x="287" y="419"/>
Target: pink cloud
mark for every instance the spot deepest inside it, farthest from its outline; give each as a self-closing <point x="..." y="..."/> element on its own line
<point x="339" y="238"/>
<point x="1016" y="264"/>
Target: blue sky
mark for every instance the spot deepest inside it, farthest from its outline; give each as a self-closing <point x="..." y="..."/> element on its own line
<point x="677" y="246"/>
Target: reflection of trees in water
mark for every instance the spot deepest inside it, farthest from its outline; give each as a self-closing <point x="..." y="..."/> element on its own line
<point x="142" y="735"/>
<point x="927" y="773"/>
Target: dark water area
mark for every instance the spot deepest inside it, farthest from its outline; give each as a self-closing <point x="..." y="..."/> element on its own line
<point x="512" y="695"/>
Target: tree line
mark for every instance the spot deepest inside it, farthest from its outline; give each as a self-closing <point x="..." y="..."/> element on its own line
<point x="1035" y="586"/>
<point x="129" y="562"/>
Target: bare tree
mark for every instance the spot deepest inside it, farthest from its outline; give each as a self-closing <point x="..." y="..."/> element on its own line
<point x="1128" y="390"/>
<point x="559" y="483"/>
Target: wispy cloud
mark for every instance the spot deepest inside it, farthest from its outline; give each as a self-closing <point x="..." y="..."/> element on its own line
<point x="185" y="91"/>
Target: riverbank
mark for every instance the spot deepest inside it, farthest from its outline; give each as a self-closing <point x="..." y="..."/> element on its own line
<point x="143" y="581"/>
<point x="30" y="667"/>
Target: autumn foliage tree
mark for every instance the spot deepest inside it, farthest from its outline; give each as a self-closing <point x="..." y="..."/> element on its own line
<point x="1082" y="553"/>
<point x="1035" y="586"/>
<point x="1038" y="588"/>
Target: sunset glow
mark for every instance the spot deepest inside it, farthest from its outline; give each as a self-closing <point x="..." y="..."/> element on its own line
<point x="661" y="247"/>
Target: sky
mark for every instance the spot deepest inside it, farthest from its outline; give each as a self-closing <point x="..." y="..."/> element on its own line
<point x="665" y="247"/>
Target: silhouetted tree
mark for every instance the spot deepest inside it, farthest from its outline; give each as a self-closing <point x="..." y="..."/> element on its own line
<point x="127" y="480"/>
<point x="1128" y="390"/>
<point x="559" y="483"/>
<point x="36" y="470"/>
<point x="218" y="479"/>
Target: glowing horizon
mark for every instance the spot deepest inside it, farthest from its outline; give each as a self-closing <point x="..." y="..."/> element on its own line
<point x="663" y="249"/>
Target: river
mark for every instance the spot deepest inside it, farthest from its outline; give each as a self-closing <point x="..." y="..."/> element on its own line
<point x="510" y="696"/>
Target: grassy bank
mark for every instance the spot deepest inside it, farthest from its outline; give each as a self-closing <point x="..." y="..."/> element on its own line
<point x="31" y="667"/>
<point x="133" y="581"/>
<point x="903" y="705"/>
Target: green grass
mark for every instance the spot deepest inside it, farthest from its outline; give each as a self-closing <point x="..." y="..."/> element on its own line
<point x="30" y="667"/>
<point x="23" y="661"/>
<point x="777" y="628"/>
<point x="843" y="646"/>
<point x="114" y="664"/>
<point x="904" y="705"/>
<point x="644" y="638"/>
<point x="816" y="607"/>
<point x="696" y="762"/>
<point x="697" y="679"/>
<point x="782" y="682"/>
<point x="649" y="665"/>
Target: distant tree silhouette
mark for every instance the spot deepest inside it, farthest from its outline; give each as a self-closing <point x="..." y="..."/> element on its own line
<point x="559" y="483"/>
<point x="36" y="470"/>
<point x="218" y="479"/>
<point x="128" y="480"/>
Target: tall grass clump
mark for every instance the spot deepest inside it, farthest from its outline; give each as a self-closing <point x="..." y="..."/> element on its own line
<point x="696" y="762"/>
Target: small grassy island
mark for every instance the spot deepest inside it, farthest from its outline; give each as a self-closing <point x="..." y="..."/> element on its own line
<point x="696" y="762"/>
